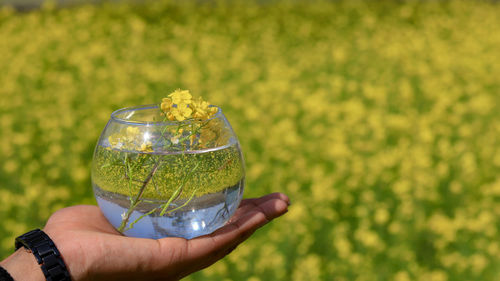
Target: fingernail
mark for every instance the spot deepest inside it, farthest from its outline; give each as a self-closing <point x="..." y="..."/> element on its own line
<point x="287" y="200"/>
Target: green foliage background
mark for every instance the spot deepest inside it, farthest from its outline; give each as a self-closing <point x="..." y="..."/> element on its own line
<point x="379" y="119"/>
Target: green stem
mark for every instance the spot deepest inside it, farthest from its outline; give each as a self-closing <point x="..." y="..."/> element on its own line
<point x="131" y="225"/>
<point x="129" y="175"/>
<point x="137" y="198"/>
<point x="166" y="205"/>
<point x="185" y="203"/>
<point x="177" y="192"/>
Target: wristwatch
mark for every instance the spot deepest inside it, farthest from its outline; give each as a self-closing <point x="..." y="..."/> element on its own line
<point x="46" y="254"/>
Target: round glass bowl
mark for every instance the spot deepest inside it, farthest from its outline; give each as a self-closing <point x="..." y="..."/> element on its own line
<point x="154" y="178"/>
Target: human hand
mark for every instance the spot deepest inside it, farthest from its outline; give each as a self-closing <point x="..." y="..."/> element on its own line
<point x="93" y="250"/>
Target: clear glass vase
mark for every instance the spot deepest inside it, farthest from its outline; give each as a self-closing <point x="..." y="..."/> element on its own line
<point x="154" y="178"/>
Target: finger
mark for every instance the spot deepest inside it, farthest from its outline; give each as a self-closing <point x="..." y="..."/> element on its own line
<point x="248" y="204"/>
<point x="231" y="235"/>
<point x="257" y="201"/>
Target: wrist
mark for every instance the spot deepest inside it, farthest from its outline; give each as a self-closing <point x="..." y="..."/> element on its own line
<point x="46" y="254"/>
<point x="22" y="266"/>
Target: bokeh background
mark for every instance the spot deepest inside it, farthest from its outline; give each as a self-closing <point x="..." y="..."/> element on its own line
<point x="379" y="119"/>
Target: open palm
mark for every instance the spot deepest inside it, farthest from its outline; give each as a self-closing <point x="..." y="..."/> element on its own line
<point x="94" y="250"/>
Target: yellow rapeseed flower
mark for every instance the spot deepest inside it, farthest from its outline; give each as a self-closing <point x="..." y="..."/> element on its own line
<point x="181" y="97"/>
<point x="179" y="105"/>
<point x="129" y="138"/>
<point x="206" y="136"/>
<point x="181" y="111"/>
<point x="132" y="132"/>
<point x="166" y="104"/>
<point x="202" y="109"/>
<point x="146" y="147"/>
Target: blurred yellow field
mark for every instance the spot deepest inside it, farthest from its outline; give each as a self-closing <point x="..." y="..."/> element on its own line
<point x="380" y="120"/>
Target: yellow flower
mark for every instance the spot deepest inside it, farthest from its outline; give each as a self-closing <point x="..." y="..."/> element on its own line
<point x="170" y="116"/>
<point x="213" y="110"/>
<point x="181" y="111"/>
<point x="146" y="147"/>
<point x="206" y="136"/>
<point x="181" y="97"/>
<point x="132" y="132"/>
<point x="202" y="109"/>
<point x="180" y="105"/>
<point x="114" y="141"/>
<point x="166" y="104"/>
<point x="129" y="138"/>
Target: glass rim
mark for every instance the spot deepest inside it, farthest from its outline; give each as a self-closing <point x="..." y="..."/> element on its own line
<point x="114" y="115"/>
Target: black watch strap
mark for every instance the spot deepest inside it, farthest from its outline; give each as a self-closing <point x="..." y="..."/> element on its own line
<point x="46" y="254"/>
<point x="4" y="275"/>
